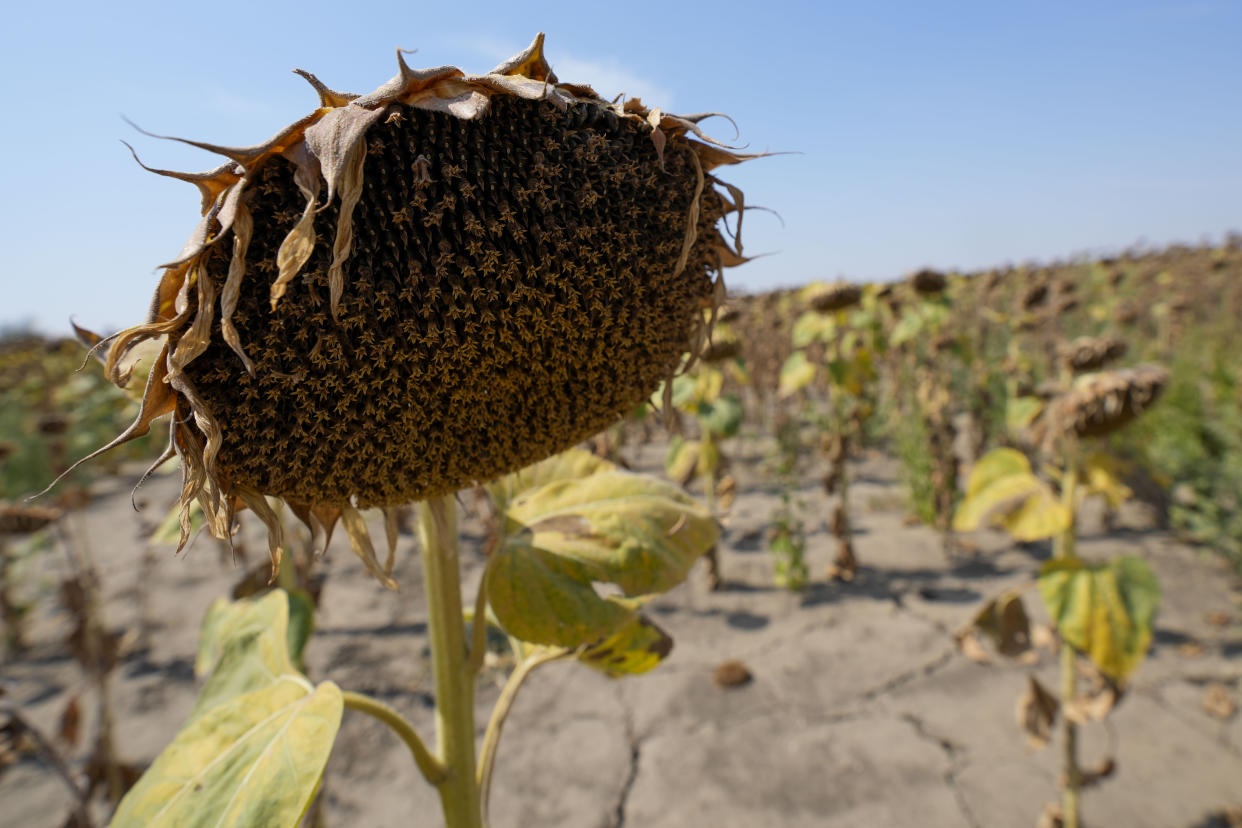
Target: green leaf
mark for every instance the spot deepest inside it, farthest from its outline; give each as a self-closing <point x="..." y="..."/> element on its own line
<point x="797" y="373"/>
<point x="1020" y="412"/>
<point x="724" y="416"/>
<point x="634" y="533"/>
<point x="814" y="326"/>
<point x="1105" y="611"/>
<point x="909" y="326"/>
<point x="255" y="745"/>
<point x="301" y="624"/>
<point x="638" y="646"/>
<point x="253" y="760"/>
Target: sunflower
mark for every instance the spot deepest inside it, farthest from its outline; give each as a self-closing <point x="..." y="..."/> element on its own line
<point x="408" y="292"/>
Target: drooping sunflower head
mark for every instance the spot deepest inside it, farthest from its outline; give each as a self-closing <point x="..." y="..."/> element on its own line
<point x="410" y="291"/>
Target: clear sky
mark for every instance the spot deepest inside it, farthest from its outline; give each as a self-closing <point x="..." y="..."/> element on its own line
<point x="956" y="135"/>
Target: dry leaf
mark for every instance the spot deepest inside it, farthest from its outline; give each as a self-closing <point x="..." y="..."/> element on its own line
<point x="1190" y="649"/>
<point x="70" y="723"/>
<point x="1037" y="711"/>
<point x="1218" y="701"/>
<point x="1218" y="619"/>
<point x="971" y="647"/>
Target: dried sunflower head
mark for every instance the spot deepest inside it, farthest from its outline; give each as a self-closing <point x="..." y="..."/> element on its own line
<point x="410" y="291"/>
<point x="1099" y="404"/>
<point x="1091" y="353"/>
<point x="928" y="282"/>
<point x="836" y="297"/>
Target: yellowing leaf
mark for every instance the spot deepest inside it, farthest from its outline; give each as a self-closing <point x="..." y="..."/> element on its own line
<point x="255" y="745"/>
<point x="1101" y="476"/>
<point x="682" y="462"/>
<point x="797" y="373"/>
<point x="1105" y="611"/>
<point x="253" y="760"/>
<point x="814" y="326"/>
<point x="998" y="463"/>
<point x="1040" y="516"/>
<point x="242" y="647"/>
<point x="995" y="502"/>
<point x="638" y="646"/>
<point x="635" y="534"/>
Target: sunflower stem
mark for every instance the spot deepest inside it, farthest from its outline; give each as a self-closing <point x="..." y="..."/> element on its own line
<point x="491" y="738"/>
<point x="1063" y="548"/>
<point x="459" y="790"/>
<point x="429" y="765"/>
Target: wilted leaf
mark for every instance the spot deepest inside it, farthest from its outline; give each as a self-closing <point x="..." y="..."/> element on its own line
<point x="638" y="534"/>
<point x="1105" y="611"/>
<point x="1218" y="701"/>
<point x="1005" y="622"/>
<point x="797" y="373"/>
<point x="1087" y="706"/>
<point x="1037" y="712"/>
<point x="970" y="645"/>
<point x="636" y="647"/>
<point x="69" y="730"/>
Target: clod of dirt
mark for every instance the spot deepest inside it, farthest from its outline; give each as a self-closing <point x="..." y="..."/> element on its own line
<point x="1219" y="702"/>
<point x="732" y="673"/>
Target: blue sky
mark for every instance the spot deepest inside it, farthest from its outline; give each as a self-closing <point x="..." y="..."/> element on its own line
<point x="956" y="135"/>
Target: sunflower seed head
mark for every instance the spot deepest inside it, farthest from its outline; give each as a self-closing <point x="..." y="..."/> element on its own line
<point x="928" y="282"/>
<point x="437" y="283"/>
<point x="1099" y="404"/>
<point x="1091" y="353"/>
<point x="836" y="298"/>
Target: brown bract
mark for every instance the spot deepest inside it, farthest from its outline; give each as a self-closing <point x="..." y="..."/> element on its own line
<point x="411" y="291"/>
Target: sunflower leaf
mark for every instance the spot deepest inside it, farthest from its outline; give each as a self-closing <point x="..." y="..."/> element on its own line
<point x="1105" y="611"/>
<point x="632" y="535"/>
<point x="256" y="743"/>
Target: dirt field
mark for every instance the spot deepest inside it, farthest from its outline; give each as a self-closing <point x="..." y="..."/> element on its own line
<point x="861" y="711"/>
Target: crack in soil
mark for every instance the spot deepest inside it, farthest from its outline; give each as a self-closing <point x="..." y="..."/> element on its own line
<point x="955" y="753"/>
<point x="901" y="679"/>
<point x="635" y="743"/>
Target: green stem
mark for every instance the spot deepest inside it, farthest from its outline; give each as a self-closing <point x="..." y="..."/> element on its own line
<point x="430" y="767"/>
<point x="459" y="791"/>
<point x="1064" y="548"/>
<point x="491" y="738"/>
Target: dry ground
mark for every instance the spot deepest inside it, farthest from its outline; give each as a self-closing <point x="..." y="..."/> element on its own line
<point x="861" y="711"/>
